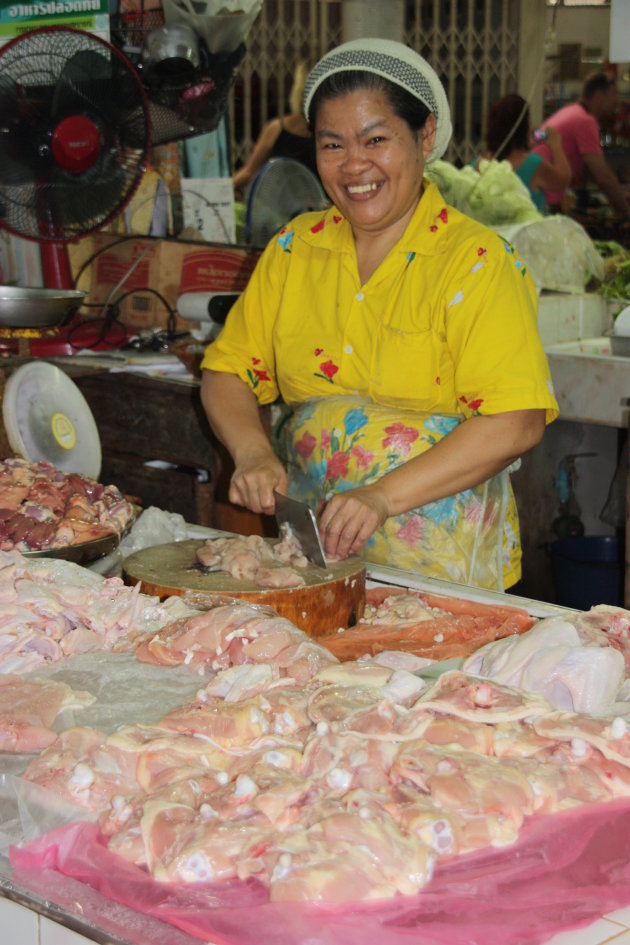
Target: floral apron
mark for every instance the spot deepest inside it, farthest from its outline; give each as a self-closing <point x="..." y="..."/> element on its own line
<point x="334" y="444"/>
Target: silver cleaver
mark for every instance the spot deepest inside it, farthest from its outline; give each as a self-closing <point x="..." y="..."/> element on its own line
<point x="302" y="521"/>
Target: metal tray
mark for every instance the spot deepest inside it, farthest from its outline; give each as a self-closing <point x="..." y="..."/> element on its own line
<point x="81" y="553"/>
<point x="85" y="551"/>
<point x="22" y="307"/>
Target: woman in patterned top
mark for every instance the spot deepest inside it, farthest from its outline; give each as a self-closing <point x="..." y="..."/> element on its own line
<point x="400" y="334"/>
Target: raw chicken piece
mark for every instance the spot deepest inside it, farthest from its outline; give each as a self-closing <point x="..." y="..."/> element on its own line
<point x="551" y="660"/>
<point x="50" y="609"/>
<point x="349" y="763"/>
<point x="469" y="784"/>
<point x="396" y="685"/>
<point x="28" y="707"/>
<point x="183" y="845"/>
<point x="255" y="560"/>
<point x="398" y="659"/>
<point x="470" y="697"/>
<point x="426" y="625"/>
<point x="199" y="638"/>
<point x="243" y="682"/>
<point x="236" y="634"/>
<point x="350" y="856"/>
<point x="610" y="736"/>
<point x="65" y="768"/>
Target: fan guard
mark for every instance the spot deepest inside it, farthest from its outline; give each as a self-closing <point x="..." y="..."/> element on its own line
<point x="282" y="189"/>
<point x="74" y="133"/>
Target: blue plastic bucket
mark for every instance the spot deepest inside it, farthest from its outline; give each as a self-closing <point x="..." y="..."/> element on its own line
<point x="588" y="570"/>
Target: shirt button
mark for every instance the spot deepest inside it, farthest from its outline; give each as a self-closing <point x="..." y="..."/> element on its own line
<point x="359" y="296"/>
<point x="348" y="349"/>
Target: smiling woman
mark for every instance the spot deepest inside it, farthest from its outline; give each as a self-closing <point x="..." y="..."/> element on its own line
<point x="401" y="334"/>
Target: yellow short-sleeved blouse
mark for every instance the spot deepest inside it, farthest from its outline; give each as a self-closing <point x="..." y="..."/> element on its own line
<point x="447" y="323"/>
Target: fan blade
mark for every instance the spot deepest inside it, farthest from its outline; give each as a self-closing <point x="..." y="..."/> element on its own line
<point x="18" y="157"/>
<point x="104" y="89"/>
<point x="82" y="203"/>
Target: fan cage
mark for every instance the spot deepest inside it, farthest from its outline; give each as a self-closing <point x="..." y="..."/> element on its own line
<point x="282" y="189"/>
<point x="38" y="199"/>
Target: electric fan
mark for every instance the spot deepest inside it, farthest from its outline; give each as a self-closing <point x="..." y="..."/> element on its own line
<point x="282" y="189"/>
<point x="74" y="137"/>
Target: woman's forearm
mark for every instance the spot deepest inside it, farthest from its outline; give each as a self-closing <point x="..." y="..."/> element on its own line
<point x="232" y="412"/>
<point x="473" y="452"/>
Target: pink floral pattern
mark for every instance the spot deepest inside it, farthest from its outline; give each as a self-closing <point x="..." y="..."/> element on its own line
<point x="411" y="531"/>
<point x="306" y="444"/>
<point x="364" y="457"/>
<point x="399" y="438"/>
<point x="337" y="465"/>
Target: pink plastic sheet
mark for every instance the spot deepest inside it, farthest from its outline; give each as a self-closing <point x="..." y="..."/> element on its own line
<point x="564" y="872"/>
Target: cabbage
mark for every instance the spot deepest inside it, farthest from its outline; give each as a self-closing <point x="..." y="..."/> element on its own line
<point x="558" y="251"/>
<point x="494" y="195"/>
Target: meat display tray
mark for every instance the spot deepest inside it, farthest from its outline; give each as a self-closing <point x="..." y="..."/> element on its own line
<point x="83" y="552"/>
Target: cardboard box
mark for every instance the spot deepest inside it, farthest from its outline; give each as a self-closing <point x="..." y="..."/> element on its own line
<point x="111" y="268"/>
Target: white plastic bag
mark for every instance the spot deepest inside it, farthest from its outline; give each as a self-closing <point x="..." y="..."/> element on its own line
<point x="222" y="24"/>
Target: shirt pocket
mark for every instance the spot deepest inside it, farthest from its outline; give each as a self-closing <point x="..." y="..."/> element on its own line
<point x="405" y="368"/>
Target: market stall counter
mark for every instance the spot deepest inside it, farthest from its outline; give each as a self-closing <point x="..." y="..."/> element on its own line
<point x="155" y="440"/>
<point x="62" y="881"/>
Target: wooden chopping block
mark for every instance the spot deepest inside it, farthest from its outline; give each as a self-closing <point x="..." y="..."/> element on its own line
<point x="329" y="599"/>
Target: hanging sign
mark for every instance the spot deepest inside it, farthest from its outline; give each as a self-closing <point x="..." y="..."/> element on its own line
<point x="19" y="18"/>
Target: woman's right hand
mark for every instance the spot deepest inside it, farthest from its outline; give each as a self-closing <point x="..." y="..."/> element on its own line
<point x="553" y="136"/>
<point x="255" y="477"/>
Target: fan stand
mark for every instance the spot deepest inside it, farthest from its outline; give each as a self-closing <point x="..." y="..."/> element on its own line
<point x="56" y="274"/>
<point x="56" y="270"/>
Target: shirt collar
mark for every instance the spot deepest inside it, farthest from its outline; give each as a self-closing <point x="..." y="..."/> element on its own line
<point x="427" y="232"/>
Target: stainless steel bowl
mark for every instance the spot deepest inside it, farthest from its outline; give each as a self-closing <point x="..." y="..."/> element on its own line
<point x="23" y="307"/>
<point x="171" y="51"/>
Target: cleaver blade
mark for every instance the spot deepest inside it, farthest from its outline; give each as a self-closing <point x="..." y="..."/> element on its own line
<point x="302" y="521"/>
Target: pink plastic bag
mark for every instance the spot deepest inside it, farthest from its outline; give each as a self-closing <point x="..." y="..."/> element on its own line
<point x="564" y="872"/>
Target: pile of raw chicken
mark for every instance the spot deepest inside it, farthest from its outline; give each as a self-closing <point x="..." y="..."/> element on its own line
<point x="42" y="507"/>
<point x="326" y="781"/>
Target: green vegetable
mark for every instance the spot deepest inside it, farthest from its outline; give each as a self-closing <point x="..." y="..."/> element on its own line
<point x="616" y="282"/>
<point x="494" y="195"/>
<point x="607" y="248"/>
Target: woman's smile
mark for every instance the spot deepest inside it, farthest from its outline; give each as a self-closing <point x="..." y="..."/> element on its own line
<point x="363" y="191"/>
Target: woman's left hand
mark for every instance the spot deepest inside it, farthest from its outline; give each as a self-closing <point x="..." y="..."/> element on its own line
<point x="350" y="518"/>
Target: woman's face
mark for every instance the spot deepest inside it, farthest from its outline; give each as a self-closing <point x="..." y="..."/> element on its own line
<point x="370" y="162"/>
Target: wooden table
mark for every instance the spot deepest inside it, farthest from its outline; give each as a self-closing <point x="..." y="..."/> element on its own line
<point x="144" y="419"/>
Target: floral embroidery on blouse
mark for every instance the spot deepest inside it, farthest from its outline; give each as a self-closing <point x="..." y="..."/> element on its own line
<point x="457" y="298"/>
<point x="473" y="405"/>
<point x="520" y="265"/>
<point x="256" y="374"/>
<point x="285" y="239"/>
<point x="327" y="369"/>
<point x="442" y="217"/>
